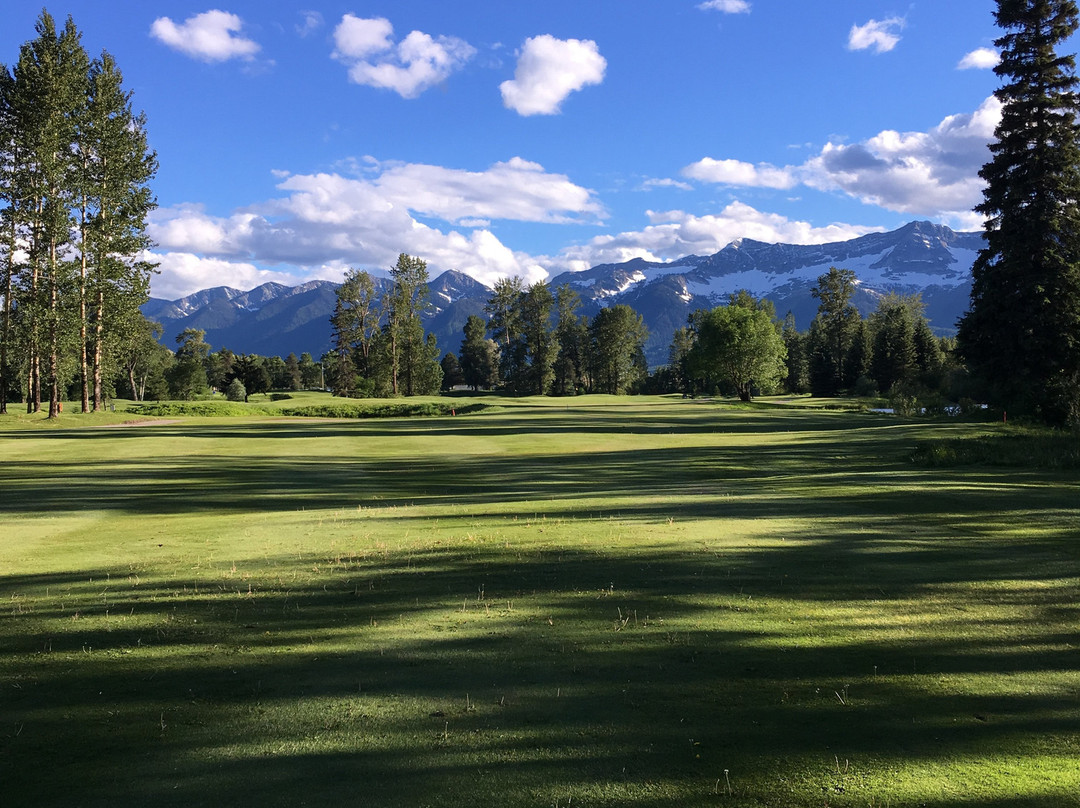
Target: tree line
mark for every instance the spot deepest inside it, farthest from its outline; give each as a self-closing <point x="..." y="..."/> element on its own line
<point x="75" y="168"/>
<point x="1018" y="345"/>
<point x="742" y="349"/>
<point x="533" y="342"/>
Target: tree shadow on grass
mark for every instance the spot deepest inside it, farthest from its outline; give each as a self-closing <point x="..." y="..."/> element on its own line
<point x="896" y="626"/>
<point x="545" y="687"/>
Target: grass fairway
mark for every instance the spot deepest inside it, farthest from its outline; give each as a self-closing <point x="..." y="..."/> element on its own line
<point x="612" y="602"/>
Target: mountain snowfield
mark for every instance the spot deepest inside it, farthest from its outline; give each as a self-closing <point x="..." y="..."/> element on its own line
<point x="920" y="257"/>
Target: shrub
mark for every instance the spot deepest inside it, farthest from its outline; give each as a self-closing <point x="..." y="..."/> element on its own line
<point x="390" y="409"/>
<point x="211" y="409"/>
<point x="236" y="391"/>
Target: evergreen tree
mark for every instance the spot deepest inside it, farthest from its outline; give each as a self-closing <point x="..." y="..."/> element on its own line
<point x="310" y="372"/>
<point x="679" y="357"/>
<point x="572" y="335"/>
<point x="355" y="323"/>
<point x="1024" y="316"/>
<point x="293" y="376"/>
<point x="540" y="345"/>
<point x="413" y="359"/>
<point x="616" y="340"/>
<point x="796" y="378"/>
<point x="74" y="168"/>
<point x="895" y="358"/>
<point x="452" y="375"/>
<point x="115" y="199"/>
<point x="504" y="323"/>
<point x="47" y="94"/>
<point x="479" y="356"/>
<point x="832" y="332"/>
<point x="9" y="221"/>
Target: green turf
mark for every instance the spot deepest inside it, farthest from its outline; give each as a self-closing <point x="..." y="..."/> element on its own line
<point x="595" y="602"/>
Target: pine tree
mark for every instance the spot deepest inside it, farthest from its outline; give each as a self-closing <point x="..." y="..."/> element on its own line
<point x="572" y="334"/>
<point x="538" y="337"/>
<point x="504" y="322"/>
<point x="616" y="339"/>
<point x="9" y="198"/>
<point x="1025" y="299"/>
<point x="74" y="168"/>
<point x="832" y="332"/>
<point x="46" y="97"/>
<point x="479" y="355"/>
<point x="115" y="198"/>
<point x="414" y="360"/>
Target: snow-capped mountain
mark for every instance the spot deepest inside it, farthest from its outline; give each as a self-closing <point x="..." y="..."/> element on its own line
<point x="930" y="259"/>
<point x="921" y="257"/>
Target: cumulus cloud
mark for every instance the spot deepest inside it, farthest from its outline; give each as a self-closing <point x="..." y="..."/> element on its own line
<point x="328" y="220"/>
<point x="736" y="172"/>
<point x="212" y="36"/>
<point x="517" y="189"/>
<point x="979" y="59"/>
<point x="924" y="173"/>
<point x="726" y="6"/>
<point x="933" y="173"/>
<point x="548" y="70"/>
<point x="881" y="35"/>
<point x="181" y="274"/>
<point x="409" y="67"/>
<point x="673" y="234"/>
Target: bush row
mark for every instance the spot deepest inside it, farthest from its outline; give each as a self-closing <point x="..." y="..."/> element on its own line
<point x="342" y="409"/>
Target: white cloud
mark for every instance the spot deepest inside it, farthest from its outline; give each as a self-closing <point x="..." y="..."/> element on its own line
<point x="312" y="21"/>
<point x="665" y="182"/>
<point x="408" y="68"/>
<point x="359" y="38"/>
<point x="675" y="233"/>
<point x="881" y="35"/>
<point x="517" y="189"/>
<point x="932" y="173"/>
<point x="726" y="6"/>
<point x="979" y="59"/>
<point x="182" y="273"/>
<point x="327" y="220"/>
<point x="209" y="37"/>
<point x="736" y="172"/>
<point x="548" y="70"/>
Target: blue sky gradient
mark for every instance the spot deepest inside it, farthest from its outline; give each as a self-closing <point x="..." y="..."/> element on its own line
<point x="502" y="138"/>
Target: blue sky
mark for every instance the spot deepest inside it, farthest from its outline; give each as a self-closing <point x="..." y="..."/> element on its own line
<point x="500" y="137"/>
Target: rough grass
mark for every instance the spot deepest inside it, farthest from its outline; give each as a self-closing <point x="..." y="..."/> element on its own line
<point x="596" y="602"/>
<point x="1016" y="447"/>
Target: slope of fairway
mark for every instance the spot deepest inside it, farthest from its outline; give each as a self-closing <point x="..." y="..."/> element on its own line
<point x="605" y="602"/>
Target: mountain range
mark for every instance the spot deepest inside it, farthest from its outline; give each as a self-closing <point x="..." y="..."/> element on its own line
<point x="920" y="257"/>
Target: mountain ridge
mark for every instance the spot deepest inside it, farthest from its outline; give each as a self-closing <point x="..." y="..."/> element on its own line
<point x="930" y="259"/>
